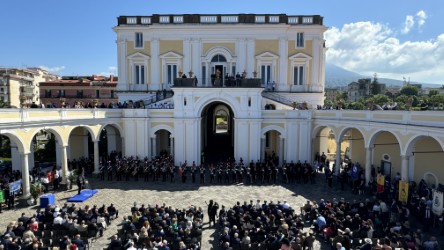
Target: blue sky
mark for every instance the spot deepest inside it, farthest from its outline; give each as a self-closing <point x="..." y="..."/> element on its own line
<point x="394" y="38"/>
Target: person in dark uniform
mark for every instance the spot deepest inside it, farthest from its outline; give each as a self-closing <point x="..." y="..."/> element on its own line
<point x="219" y="175"/>
<point x="212" y="174"/>
<point x="171" y="173"/>
<point x="193" y="173"/>
<point x="9" y="197"/>
<point x="80" y="182"/>
<point x="202" y="174"/>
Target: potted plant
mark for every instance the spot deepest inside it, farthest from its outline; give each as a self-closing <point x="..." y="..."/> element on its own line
<point x="36" y="190"/>
<point x="72" y="178"/>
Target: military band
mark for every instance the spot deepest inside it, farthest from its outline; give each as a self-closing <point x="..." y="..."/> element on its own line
<point x="225" y="172"/>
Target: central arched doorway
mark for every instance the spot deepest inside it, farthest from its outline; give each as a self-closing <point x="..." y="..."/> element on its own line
<point x="217" y="133"/>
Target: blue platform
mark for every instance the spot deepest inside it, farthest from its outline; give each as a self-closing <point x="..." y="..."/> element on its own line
<point x="83" y="196"/>
<point x="47" y="200"/>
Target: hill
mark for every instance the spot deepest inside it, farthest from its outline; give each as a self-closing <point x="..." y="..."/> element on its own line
<point x="336" y="76"/>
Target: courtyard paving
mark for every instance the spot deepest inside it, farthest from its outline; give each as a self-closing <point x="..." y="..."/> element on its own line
<point x="179" y="195"/>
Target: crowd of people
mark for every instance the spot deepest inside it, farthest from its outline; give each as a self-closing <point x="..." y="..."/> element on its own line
<point x="58" y="227"/>
<point x="160" y="227"/>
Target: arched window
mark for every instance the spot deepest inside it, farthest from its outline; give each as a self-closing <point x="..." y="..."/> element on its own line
<point x="218" y="58"/>
<point x="221" y="121"/>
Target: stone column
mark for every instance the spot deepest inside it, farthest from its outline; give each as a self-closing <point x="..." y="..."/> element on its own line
<point x="338" y="157"/>
<point x="96" y="157"/>
<point x="64" y="164"/>
<point x="250" y="57"/>
<point x="153" y="147"/>
<point x="262" y="148"/>
<point x="405" y="167"/>
<point x="281" y="150"/>
<point x="172" y="146"/>
<point x="25" y="175"/>
<point x="155" y="65"/>
<point x="121" y="59"/>
<point x="283" y="70"/>
<point x="186" y="56"/>
<point x="368" y="163"/>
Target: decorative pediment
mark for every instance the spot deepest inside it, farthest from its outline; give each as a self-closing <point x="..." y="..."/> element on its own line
<point x="138" y="55"/>
<point x="267" y="56"/>
<point x="171" y="54"/>
<point x="300" y="56"/>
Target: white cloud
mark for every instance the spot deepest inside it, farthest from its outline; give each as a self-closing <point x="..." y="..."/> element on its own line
<point x="421" y="16"/>
<point x="112" y="70"/>
<point x="408" y="24"/>
<point x="56" y="69"/>
<point x="368" y="48"/>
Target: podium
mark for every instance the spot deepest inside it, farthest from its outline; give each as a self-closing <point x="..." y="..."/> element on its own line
<point x="47" y="199"/>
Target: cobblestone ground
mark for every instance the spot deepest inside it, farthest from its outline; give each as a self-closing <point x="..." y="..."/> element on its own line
<point x="178" y="195"/>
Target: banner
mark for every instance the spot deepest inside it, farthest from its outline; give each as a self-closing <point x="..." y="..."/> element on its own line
<point x="403" y="191"/>
<point x="14" y="187"/>
<point x="2" y="196"/>
<point x="380" y="182"/>
<point x="437" y="202"/>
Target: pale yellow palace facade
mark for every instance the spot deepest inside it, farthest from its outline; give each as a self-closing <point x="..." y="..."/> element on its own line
<point x="220" y="115"/>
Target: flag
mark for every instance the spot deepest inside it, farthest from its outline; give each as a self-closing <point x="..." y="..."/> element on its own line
<point x="437" y="202"/>
<point x="403" y="191"/>
<point x="354" y="173"/>
<point x="380" y="181"/>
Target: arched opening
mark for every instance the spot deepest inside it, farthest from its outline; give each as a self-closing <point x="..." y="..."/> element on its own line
<point x="6" y="148"/>
<point x="81" y="150"/>
<point x="110" y="143"/>
<point x="386" y="153"/>
<point x="353" y="146"/>
<point x="43" y="155"/>
<point x="324" y="144"/>
<point x="426" y="154"/>
<point x="217" y="132"/>
<point x="163" y="143"/>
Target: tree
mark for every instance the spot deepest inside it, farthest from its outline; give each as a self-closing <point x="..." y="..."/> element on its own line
<point x="437" y="100"/>
<point x="409" y="90"/>
<point x="356" y="106"/>
<point x="341" y="96"/>
<point x="374" y="86"/>
<point x="433" y="92"/>
<point x="381" y="99"/>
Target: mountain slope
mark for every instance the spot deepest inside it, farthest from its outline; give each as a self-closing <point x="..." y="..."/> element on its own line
<point x="336" y="76"/>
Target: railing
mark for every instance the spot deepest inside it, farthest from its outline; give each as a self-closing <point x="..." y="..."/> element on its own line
<point x="278" y="98"/>
<point x="79" y="97"/>
<point x="416" y="118"/>
<point x="218" y="82"/>
<point x="157" y="97"/>
<point x="219" y="18"/>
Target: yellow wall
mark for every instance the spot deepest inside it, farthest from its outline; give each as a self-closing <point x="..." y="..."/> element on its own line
<point x="267" y="46"/>
<point x="230" y="46"/>
<point x="146" y="48"/>
<point x="386" y="143"/>
<point x="428" y="162"/>
<point x="170" y="45"/>
<point x="76" y="143"/>
<point x="357" y="146"/>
